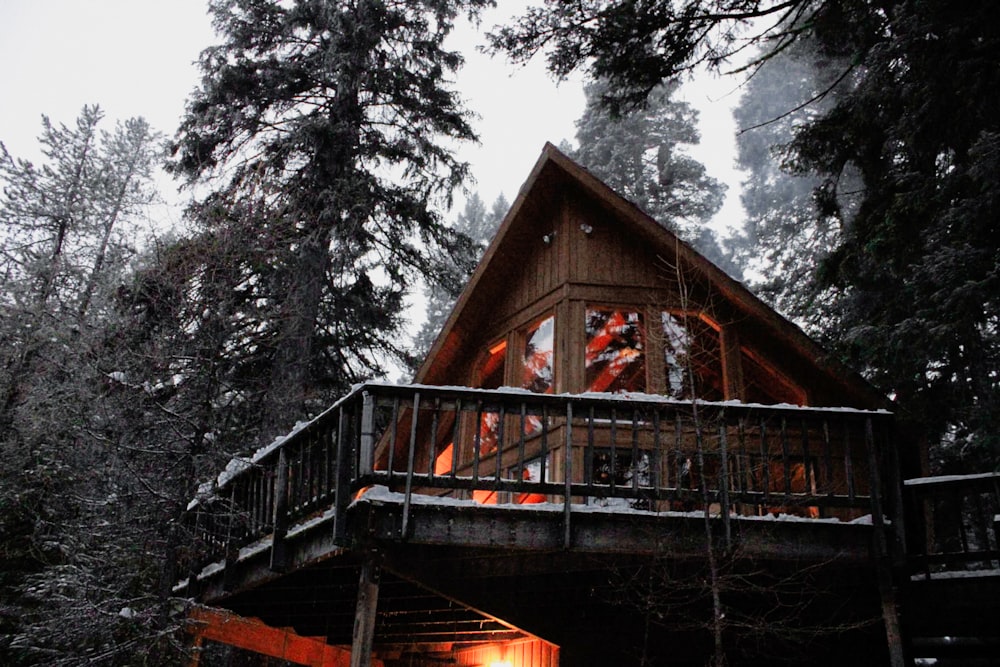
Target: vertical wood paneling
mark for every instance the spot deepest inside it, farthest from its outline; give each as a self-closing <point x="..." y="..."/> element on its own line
<point x="523" y="653"/>
<point x="607" y="255"/>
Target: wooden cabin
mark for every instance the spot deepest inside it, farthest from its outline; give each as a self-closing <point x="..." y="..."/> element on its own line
<point x="614" y="453"/>
<point x="583" y="293"/>
<point x="577" y="273"/>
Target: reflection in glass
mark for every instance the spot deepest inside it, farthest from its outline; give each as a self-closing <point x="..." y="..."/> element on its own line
<point x="539" y="345"/>
<point x="619" y="469"/>
<point x="614" y="356"/>
<point x="692" y="357"/>
<point x="491" y="377"/>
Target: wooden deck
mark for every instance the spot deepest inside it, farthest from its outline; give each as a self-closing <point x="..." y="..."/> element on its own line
<point x="358" y="500"/>
<point x="473" y="574"/>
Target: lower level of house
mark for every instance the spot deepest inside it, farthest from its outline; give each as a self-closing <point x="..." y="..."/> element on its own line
<point x="645" y="532"/>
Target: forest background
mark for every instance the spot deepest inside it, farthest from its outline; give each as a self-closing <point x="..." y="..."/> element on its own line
<point x="319" y="155"/>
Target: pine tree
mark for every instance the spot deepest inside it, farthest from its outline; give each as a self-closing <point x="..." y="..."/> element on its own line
<point x="913" y="271"/>
<point x="479" y="225"/>
<point x="784" y="235"/>
<point x="69" y="557"/>
<point x="324" y="131"/>
<point x="641" y="155"/>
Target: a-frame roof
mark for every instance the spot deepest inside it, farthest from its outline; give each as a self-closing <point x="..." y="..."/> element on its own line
<point x="555" y="177"/>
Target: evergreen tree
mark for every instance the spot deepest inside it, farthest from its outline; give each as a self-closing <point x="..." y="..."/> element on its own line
<point x="783" y="236"/>
<point x="71" y="558"/>
<point x="913" y="272"/>
<point x="323" y="129"/>
<point x="641" y="155"/>
<point x="479" y="225"/>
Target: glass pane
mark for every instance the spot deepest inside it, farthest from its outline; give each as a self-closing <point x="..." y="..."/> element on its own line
<point x="614" y="358"/>
<point x="693" y="358"/>
<point x="491" y="376"/>
<point x="539" y="345"/>
<point x="492" y="372"/>
<point x="531" y="472"/>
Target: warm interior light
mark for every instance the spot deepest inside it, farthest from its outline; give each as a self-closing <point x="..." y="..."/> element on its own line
<point x="500" y="663"/>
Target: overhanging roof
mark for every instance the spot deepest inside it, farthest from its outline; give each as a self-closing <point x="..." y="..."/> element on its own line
<point x="556" y="173"/>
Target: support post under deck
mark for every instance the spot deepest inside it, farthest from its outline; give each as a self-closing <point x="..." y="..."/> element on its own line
<point x="364" y="616"/>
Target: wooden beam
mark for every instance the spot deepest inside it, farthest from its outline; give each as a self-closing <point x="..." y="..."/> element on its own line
<point x="251" y="634"/>
<point x="364" y="618"/>
<point x="279" y="547"/>
<point x="732" y="367"/>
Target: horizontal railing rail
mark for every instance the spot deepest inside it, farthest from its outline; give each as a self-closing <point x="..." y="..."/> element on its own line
<point x="509" y="446"/>
<point x="955" y="523"/>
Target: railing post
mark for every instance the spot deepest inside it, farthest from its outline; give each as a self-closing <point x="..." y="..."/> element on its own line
<point x="279" y="548"/>
<point x="367" y="462"/>
<point x="232" y="551"/>
<point x="342" y="490"/>
<point x="727" y="532"/>
<point x="890" y="613"/>
<point x="410" y="462"/>
<point x="895" y="483"/>
<point x="568" y="475"/>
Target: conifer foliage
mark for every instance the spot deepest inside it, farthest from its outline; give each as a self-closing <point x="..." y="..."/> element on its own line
<point x="913" y="276"/>
<point x="642" y="154"/>
<point x="783" y="234"/>
<point x="479" y="225"/>
<point x="77" y="529"/>
<point x="324" y="132"/>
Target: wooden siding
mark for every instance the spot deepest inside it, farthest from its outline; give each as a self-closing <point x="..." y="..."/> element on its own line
<point x="608" y="254"/>
<point x="526" y="653"/>
<point x="248" y="634"/>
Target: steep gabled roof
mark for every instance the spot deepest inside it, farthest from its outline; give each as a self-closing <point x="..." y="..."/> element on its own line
<point x="553" y="176"/>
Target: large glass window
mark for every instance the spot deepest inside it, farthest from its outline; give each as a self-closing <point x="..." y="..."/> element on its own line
<point x="614" y="357"/>
<point x="539" y="349"/>
<point x="621" y="470"/>
<point x="692" y="357"/>
<point x="491" y="376"/>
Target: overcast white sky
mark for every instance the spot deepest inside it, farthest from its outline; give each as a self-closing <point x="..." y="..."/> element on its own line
<point x="136" y="58"/>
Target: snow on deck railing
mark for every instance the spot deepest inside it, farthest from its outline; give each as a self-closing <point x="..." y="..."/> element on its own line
<point x="642" y="450"/>
<point x="955" y="526"/>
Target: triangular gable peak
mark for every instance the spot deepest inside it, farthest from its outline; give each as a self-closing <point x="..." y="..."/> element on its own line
<point x="581" y="291"/>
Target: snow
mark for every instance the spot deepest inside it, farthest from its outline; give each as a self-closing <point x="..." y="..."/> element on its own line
<point x="235" y="466"/>
<point x="238" y="465"/>
<point x="944" y="479"/>
<point x="640" y="397"/>
<point x="279" y="441"/>
<point x="205" y="492"/>
<point x="957" y="574"/>
<point x="381" y="493"/>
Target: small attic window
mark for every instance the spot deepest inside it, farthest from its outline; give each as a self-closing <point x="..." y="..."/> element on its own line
<point x="615" y="361"/>
<point x="692" y="355"/>
<point x="539" y="349"/>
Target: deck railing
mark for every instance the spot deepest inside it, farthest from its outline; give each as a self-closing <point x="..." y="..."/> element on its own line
<point x="509" y="446"/>
<point x="956" y="523"/>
